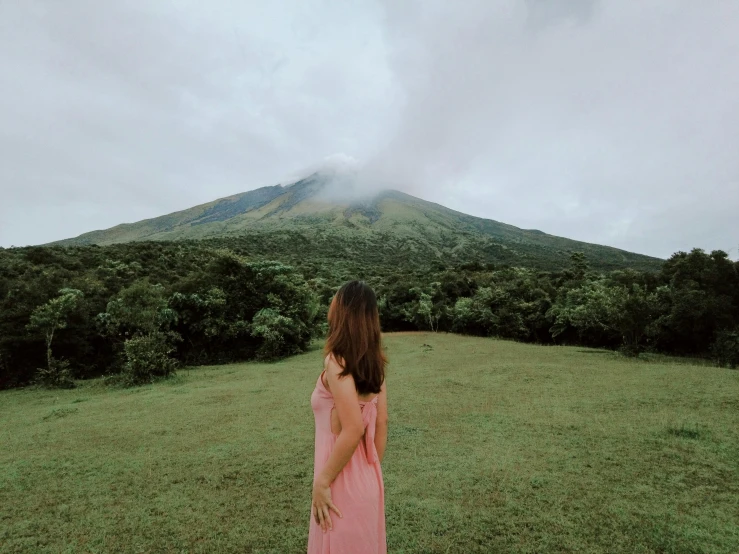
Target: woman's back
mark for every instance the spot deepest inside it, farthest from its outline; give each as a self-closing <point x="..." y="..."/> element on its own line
<point x="349" y="403"/>
<point x="358" y="490"/>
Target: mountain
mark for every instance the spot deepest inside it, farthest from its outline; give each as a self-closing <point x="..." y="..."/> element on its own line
<point x="321" y="212"/>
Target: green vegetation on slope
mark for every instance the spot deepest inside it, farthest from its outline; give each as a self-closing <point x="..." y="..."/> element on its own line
<point x="421" y="231"/>
<point x="493" y="447"/>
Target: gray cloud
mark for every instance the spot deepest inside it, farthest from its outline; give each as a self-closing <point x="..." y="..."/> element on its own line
<point x="612" y="122"/>
<point x="607" y="121"/>
<point x="114" y="112"/>
<point x="544" y="13"/>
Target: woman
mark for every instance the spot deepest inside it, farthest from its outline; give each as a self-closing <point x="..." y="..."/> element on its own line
<point x="350" y="408"/>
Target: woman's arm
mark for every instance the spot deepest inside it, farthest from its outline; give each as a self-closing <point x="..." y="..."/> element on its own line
<point x="381" y="429"/>
<point x="352" y="425"/>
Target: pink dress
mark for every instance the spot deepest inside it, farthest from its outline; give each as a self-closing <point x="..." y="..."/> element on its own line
<point x="358" y="491"/>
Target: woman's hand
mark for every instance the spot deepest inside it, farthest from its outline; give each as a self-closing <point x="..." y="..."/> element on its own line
<point x="322" y="506"/>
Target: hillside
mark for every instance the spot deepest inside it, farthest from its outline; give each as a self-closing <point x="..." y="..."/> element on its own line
<point x="417" y="228"/>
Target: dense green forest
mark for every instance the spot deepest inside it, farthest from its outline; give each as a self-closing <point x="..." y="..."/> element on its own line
<point x="136" y="311"/>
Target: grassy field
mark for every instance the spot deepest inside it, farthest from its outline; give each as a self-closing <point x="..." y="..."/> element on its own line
<point x="493" y="447"/>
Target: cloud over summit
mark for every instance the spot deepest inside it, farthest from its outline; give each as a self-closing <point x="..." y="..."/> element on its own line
<point x="602" y="120"/>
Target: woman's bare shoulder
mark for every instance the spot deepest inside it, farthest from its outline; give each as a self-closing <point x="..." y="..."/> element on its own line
<point x="333" y="364"/>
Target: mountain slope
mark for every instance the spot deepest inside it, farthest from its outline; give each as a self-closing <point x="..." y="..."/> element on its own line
<point x="318" y="208"/>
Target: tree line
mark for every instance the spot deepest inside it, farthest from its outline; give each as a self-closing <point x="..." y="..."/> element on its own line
<point x="77" y="313"/>
<point x="135" y="312"/>
<point x="689" y="308"/>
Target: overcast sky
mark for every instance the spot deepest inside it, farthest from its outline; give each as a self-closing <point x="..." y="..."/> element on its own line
<point x="608" y="121"/>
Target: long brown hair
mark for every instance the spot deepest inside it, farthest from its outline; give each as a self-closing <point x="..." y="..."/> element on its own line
<point x="354" y="336"/>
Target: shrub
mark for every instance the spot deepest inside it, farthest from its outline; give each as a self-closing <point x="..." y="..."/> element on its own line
<point x="148" y="358"/>
<point x="725" y="349"/>
<point x="56" y="376"/>
<point x="473" y="316"/>
<point x="277" y="333"/>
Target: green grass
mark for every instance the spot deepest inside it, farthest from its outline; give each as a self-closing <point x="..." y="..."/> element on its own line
<point x="493" y="447"/>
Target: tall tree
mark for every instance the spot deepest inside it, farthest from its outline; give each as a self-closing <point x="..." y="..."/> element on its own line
<point x="52" y="317"/>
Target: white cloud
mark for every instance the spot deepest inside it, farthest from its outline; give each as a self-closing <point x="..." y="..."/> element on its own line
<point x="603" y="120"/>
